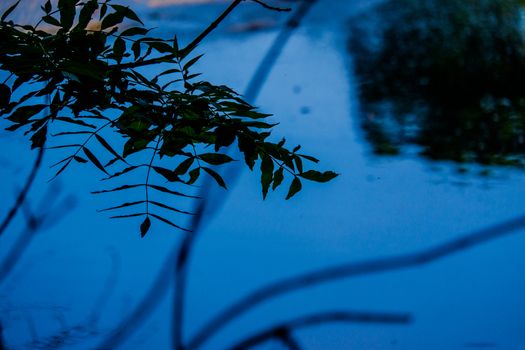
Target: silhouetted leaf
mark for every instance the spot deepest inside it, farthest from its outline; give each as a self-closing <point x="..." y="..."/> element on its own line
<point x="215" y="176"/>
<point x="266" y="174"/>
<point x="183" y="167"/>
<point x="120" y="188"/>
<point x="67" y="13"/>
<point x="51" y="20"/>
<point x="39" y="138"/>
<point x="122" y="172"/>
<point x="317" y="176"/>
<point x="80" y="159"/>
<point x="144" y="227"/>
<point x="169" y="175"/>
<point x="124" y="205"/>
<point x="194" y="175"/>
<point x="191" y="62"/>
<point x="94" y="159"/>
<point x="5" y="95"/>
<point x="47" y="7"/>
<point x="76" y="121"/>
<point x="127" y="12"/>
<point x="166" y="190"/>
<point x="215" y="158"/>
<point x="135" y="31"/>
<point x="294" y="188"/>
<point x="107" y="146"/>
<point x="8" y="11"/>
<point x="170" y="208"/>
<point x="127" y="216"/>
<point x="169" y="222"/>
<point x="86" y="13"/>
<point x="278" y="177"/>
<point x="310" y="158"/>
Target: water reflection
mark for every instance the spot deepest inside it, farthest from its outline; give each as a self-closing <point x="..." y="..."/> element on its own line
<point x="445" y="75"/>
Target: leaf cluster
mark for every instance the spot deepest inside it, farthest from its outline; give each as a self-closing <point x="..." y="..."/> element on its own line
<point x="87" y="58"/>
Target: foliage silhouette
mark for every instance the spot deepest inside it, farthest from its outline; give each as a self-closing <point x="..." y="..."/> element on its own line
<point x="172" y="126"/>
<point x="445" y="75"/>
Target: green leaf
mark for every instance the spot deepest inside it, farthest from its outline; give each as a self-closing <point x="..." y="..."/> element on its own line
<point x="215" y="176"/>
<point x="144" y="227"/>
<point x="266" y="174"/>
<point x="318" y="176"/>
<point x="8" y="11"/>
<point x="215" y="158"/>
<point x="94" y="159"/>
<point x="294" y="188"/>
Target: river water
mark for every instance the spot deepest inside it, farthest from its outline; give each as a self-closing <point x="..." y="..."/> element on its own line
<point x="378" y="207"/>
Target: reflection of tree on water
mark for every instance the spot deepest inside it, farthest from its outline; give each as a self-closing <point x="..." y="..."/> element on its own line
<point x="446" y="75"/>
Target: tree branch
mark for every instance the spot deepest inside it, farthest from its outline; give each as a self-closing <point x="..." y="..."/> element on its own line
<point x="188" y="49"/>
<point x="23" y="193"/>
<point x="330" y="274"/>
<point x="284" y="330"/>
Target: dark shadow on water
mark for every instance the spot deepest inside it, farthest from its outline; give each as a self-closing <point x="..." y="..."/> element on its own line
<point x="445" y="75"/>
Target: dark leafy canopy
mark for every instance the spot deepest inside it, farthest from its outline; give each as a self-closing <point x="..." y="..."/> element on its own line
<point x="86" y="57"/>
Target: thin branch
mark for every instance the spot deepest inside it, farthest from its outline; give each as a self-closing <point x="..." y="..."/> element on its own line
<point x="181" y="276"/>
<point x="343" y="271"/>
<point x="268" y="61"/>
<point x="188" y="49"/>
<point x="284" y="329"/>
<point x="34" y="224"/>
<point x="159" y="287"/>
<point x="273" y="8"/>
<point x="287" y="338"/>
<point x="191" y="46"/>
<point x="148" y="303"/>
<point x="23" y="193"/>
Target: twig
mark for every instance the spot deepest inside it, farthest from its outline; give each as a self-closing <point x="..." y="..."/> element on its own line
<point x="283" y="330"/>
<point x="33" y="225"/>
<point x="181" y="274"/>
<point x="273" y="8"/>
<point x="159" y="288"/>
<point x="268" y="61"/>
<point x="23" y="193"/>
<point x="188" y="49"/>
<point x="348" y="270"/>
